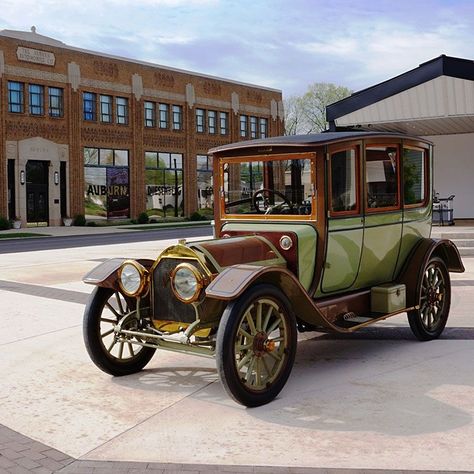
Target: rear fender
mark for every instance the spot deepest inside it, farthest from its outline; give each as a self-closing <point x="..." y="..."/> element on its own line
<point x="234" y="280"/>
<point x="106" y="273"/>
<point x="416" y="262"/>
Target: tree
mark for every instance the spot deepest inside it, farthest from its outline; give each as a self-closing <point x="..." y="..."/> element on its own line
<point x="307" y="114"/>
<point x="294" y="118"/>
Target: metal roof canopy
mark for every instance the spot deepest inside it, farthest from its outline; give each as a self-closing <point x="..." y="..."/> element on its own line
<point x="436" y="98"/>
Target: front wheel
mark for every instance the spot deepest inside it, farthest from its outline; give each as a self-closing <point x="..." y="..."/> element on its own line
<point x="434" y="300"/>
<point x="104" y="310"/>
<point x="256" y="345"/>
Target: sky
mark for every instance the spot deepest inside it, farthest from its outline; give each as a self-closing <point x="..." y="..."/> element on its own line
<point x="282" y="44"/>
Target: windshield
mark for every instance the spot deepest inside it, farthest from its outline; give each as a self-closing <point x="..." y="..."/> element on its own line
<point x="280" y="186"/>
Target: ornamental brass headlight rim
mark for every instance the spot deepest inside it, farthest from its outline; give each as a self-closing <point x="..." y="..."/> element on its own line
<point x="133" y="278"/>
<point x="187" y="282"/>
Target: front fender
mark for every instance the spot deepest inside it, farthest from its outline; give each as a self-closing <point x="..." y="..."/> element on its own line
<point x="234" y="280"/>
<point x="106" y="273"/>
<point x="412" y="273"/>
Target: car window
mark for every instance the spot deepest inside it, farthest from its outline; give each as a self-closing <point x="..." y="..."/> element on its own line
<point x="414" y="177"/>
<point x="344" y="182"/>
<point x="281" y="187"/>
<point x="381" y="170"/>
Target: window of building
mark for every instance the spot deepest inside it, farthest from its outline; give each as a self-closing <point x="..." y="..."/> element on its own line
<point x="56" y="101"/>
<point x="36" y="93"/>
<point x="164" y="116"/>
<point x="106" y="174"/>
<point x="150" y="120"/>
<point x="89" y="106"/>
<point x="177" y="117"/>
<point x="200" y="117"/>
<point x="414" y="177"/>
<point x="164" y="183"/>
<point x="224" y="123"/>
<point x="105" y="108"/>
<point x="344" y="182"/>
<point x="382" y="177"/>
<point x="204" y="184"/>
<point x="253" y="127"/>
<point x="263" y="128"/>
<point x="212" y="121"/>
<point x="243" y="125"/>
<point x="121" y="105"/>
<point x="16" y="99"/>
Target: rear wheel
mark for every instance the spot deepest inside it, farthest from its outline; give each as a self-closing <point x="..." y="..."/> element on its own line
<point x="104" y="310"/>
<point x="434" y="300"/>
<point x="256" y="345"/>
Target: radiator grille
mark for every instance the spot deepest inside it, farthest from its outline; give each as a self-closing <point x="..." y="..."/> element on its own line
<point x="166" y="307"/>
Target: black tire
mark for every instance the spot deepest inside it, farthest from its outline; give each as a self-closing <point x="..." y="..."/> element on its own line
<point x="254" y="367"/>
<point x="105" y="308"/>
<point x="434" y="300"/>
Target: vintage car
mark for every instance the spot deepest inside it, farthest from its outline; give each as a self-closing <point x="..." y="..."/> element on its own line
<point x="327" y="232"/>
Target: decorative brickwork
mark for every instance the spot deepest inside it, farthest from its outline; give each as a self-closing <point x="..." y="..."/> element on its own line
<point x="70" y="123"/>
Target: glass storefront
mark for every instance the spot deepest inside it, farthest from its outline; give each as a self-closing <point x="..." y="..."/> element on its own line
<point x="204" y="184"/>
<point x="164" y="184"/>
<point x="106" y="174"/>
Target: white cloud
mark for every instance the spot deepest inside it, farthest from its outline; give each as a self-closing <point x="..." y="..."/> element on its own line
<point x="334" y="46"/>
<point x="164" y="3"/>
<point x="275" y="43"/>
<point x="362" y="53"/>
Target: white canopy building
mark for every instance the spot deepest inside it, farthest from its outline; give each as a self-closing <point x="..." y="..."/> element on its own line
<point x="436" y="101"/>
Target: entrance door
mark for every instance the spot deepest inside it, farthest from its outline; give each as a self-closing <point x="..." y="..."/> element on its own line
<point x="37" y="202"/>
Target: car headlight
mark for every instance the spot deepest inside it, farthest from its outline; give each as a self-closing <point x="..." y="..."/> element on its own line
<point x="186" y="282"/>
<point x="132" y="278"/>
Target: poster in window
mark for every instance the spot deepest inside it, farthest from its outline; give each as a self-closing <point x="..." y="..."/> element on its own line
<point x="95" y="193"/>
<point x="118" y="194"/>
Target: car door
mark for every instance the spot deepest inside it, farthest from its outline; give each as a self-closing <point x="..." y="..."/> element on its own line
<point x="345" y="227"/>
<point x="383" y="218"/>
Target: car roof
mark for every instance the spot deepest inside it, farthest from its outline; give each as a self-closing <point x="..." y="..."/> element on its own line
<point x="311" y="139"/>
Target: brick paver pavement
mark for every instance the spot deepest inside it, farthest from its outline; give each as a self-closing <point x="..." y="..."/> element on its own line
<point x="22" y="455"/>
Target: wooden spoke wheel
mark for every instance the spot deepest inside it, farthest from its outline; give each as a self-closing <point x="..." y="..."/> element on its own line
<point x="113" y="355"/>
<point x="434" y="299"/>
<point x="256" y="345"/>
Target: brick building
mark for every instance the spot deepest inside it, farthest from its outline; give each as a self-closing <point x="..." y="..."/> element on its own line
<point x="109" y="137"/>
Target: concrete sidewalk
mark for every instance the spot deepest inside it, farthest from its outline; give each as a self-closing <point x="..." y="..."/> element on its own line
<point x="378" y="401"/>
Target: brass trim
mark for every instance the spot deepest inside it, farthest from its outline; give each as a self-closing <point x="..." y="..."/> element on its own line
<point x="288" y="245"/>
<point x="143" y="272"/>
<point x="182" y="252"/>
<point x="200" y="280"/>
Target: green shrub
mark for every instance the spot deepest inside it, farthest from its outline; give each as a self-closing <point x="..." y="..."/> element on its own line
<point x="196" y="216"/>
<point x="143" y="218"/>
<point x="91" y="224"/>
<point x="4" y="223"/>
<point x="79" y="220"/>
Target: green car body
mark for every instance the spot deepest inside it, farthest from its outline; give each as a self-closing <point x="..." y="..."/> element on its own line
<point x="327" y="232"/>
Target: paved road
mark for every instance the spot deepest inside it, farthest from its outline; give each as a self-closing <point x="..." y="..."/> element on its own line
<point x="74" y="241"/>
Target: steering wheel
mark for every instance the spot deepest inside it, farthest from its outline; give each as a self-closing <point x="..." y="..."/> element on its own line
<point x="266" y="206"/>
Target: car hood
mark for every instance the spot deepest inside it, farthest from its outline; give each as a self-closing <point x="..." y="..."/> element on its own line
<point x="230" y="251"/>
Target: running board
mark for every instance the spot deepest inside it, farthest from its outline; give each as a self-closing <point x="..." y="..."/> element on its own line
<point x="351" y="322"/>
